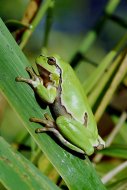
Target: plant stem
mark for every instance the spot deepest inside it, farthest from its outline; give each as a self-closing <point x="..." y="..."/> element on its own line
<point x="119" y="21"/>
<point x="106" y="61"/>
<point x="35" y="22"/>
<point x="116" y="129"/>
<point x="98" y="89"/>
<point x="92" y="34"/>
<point x="28" y="16"/>
<point x="114" y="84"/>
<point x="48" y="25"/>
<point x="112" y="135"/>
<point x="113" y="172"/>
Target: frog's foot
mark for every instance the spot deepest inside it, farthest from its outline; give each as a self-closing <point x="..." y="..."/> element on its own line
<point x="101" y="144"/>
<point x="60" y="137"/>
<point x="48" y="117"/>
<point x="65" y="142"/>
<point x="46" y="122"/>
<point x="50" y="126"/>
<point x="33" y="81"/>
<point x="31" y="73"/>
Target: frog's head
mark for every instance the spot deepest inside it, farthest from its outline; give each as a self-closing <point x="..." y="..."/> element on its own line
<point x="48" y="69"/>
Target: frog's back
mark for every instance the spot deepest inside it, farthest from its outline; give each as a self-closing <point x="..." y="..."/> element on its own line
<point x="73" y="96"/>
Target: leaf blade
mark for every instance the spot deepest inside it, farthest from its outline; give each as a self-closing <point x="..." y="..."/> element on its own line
<point x="115" y="151"/>
<point x="21" y="97"/>
<point x="19" y="173"/>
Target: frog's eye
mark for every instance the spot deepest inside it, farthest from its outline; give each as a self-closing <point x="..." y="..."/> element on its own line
<point x="51" y="61"/>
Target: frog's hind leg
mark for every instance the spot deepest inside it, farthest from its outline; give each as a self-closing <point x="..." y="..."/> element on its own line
<point x="50" y="126"/>
<point x="75" y="133"/>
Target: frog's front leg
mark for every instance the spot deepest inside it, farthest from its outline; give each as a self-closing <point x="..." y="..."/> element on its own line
<point x="50" y="126"/>
<point x="34" y="78"/>
<point x="47" y="94"/>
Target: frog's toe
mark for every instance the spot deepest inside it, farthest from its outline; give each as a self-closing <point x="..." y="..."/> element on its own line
<point x="100" y="147"/>
<point x="101" y="144"/>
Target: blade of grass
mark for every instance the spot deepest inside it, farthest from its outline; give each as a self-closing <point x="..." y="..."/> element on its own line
<point x="112" y="135"/>
<point x="98" y="73"/>
<point x="121" y="136"/>
<point x="116" y="151"/>
<point x="16" y="172"/>
<point x="114" y="84"/>
<point x="113" y="172"/>
<point x="96" y="92"/>
<point x="118" y="185"/>
<point x="77" y="173"/>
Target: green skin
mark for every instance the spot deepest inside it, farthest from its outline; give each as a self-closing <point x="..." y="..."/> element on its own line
<point x="58" y="86"/>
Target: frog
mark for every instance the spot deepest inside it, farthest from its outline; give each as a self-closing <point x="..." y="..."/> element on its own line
<point x="73" y="122"/>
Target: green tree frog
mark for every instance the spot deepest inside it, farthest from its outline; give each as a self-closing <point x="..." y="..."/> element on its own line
<point x="73" y="124"/>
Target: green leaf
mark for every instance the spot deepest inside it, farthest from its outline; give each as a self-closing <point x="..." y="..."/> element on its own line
<point x="118" y="185"/>
<point x="14" y="25"/>
<point x="19" y="173"/>
<point x="116" y="151"/>
<point x="107" y="76"/>
<point x="100" y="70"/>
<point x="77" y="173"/>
